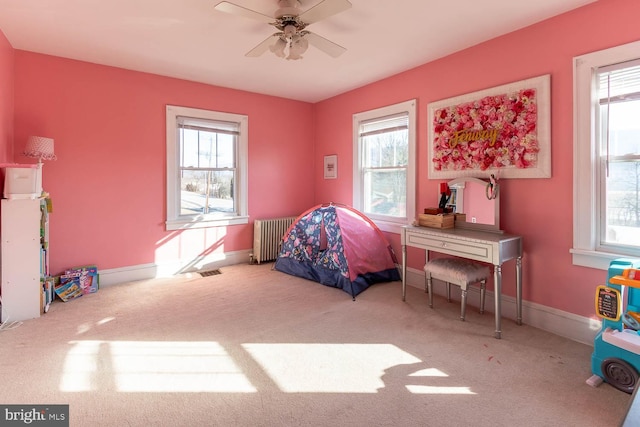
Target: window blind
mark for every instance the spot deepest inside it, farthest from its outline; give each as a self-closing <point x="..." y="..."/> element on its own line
<point x="619" y="82"/>
<point x="230" y="128"/>
<point x="386" y="124"/>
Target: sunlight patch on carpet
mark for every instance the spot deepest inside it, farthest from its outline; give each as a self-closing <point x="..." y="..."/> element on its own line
<point x="423" y="389"/>
<point x="154" y="366"/>
<point x="342" y="368"/>
<point x="205" y="366"/>
<point x="431" y="372"/>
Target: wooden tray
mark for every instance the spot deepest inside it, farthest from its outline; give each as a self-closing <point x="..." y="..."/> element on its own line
<point x="436" y="221"/>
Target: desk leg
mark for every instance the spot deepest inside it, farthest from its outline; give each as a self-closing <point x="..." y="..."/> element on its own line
<point x="497" y="281"/>
<point x="404" y="272"/>
<point x="519" y="290"/>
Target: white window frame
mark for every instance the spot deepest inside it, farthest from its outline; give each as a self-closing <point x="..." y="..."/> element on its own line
<point x="387" y="223"/>
<point x="174" y="220"/>
<point x="585" y="160"/>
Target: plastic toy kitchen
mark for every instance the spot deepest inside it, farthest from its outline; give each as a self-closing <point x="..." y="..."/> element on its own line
<point x="616" y="350"/>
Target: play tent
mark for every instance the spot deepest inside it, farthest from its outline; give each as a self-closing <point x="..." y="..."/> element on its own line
<point x="337" y="246"/>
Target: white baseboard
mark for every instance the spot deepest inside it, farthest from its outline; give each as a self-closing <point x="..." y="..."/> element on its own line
<point x="150" y="271"/>
<point x="568" y="325"/>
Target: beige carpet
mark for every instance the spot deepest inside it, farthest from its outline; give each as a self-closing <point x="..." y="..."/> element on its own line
<point x="255" y="347"/>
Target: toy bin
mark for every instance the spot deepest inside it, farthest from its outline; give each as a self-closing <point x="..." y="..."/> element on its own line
<point x="22" y="182"/>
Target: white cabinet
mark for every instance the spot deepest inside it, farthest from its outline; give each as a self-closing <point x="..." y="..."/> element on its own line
<point x="21" y="256"/>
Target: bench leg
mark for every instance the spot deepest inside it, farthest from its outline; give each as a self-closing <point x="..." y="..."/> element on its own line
<point x="430" y="289"/>
<point x="483" y="286"/>
<point x="463" y="304"/>
<point x="448" y="292"/>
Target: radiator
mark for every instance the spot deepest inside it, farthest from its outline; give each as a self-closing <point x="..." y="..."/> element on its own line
<point x="267" y="236"/>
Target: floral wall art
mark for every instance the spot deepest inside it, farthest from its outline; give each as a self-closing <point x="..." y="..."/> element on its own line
<point x="502" y="131"/>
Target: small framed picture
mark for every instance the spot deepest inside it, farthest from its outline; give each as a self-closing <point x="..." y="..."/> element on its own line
<point x="331" y="167"/>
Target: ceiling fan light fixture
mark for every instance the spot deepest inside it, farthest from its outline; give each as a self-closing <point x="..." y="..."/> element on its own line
<point x="297" y="46"/>
<point x="278" y="47"/>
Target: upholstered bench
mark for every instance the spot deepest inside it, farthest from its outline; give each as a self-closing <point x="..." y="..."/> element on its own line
<point x="460" y="272"/>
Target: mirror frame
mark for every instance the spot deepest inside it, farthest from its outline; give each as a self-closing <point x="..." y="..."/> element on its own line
<point x="495" y="227"/>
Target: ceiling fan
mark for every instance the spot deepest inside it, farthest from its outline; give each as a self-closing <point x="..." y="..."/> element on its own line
<point x="292" y="38"/>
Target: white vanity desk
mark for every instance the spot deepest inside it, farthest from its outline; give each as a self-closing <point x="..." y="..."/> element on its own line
<point x="484" y="246"/>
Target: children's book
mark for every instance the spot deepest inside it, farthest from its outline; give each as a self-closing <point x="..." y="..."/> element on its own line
<point x="68" y="288"/>
<point x="87" y="276"/>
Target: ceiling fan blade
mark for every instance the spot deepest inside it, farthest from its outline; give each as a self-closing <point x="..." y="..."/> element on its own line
<point x="323" y="10"/>
<point x="234" y="9"/>
<point x="262" y="47"/>
<point x="327" y="46"/>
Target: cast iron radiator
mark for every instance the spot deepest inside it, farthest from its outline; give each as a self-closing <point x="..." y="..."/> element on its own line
<point x="267" y="235"/>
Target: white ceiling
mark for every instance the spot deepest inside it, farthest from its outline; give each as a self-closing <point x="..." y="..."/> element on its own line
<point x="189" y="39"/>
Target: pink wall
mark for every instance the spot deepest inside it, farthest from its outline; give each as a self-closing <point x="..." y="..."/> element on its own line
<point x="6" y="99"/>
<point x="108" y="183"/>
<point x="538" y="209"/>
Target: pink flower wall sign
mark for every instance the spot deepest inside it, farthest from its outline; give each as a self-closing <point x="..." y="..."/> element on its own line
<point x="503" y="130"/>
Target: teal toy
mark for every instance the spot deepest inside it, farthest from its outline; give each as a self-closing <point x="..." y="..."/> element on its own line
<point x="616" y="349"/>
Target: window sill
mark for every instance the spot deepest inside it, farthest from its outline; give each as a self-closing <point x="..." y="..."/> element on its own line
<point x="593" y="259"/>
<point x="388" y="226"/>
<point x="183" y="224"/>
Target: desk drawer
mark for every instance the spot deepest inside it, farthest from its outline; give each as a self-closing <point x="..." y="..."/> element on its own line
<point x="467" y="249"/>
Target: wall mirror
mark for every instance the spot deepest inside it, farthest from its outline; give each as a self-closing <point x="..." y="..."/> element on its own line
<point x="470" y="196"/>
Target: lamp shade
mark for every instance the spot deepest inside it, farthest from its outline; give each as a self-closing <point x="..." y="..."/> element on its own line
<point x="39" y="147"/>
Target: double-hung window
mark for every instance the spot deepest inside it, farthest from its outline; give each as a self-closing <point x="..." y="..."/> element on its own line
<point x="607" y="162"/>
<point x="384" y="165"/>
<point x="206" y="168"/>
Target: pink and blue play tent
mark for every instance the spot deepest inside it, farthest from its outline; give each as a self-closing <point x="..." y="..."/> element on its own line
<point x="337" y="246"/>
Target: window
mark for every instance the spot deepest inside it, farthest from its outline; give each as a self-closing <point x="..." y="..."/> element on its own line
<point x="384" y="165"/>
<point x="607" y="156"/>
<point x="206" y="168"/>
